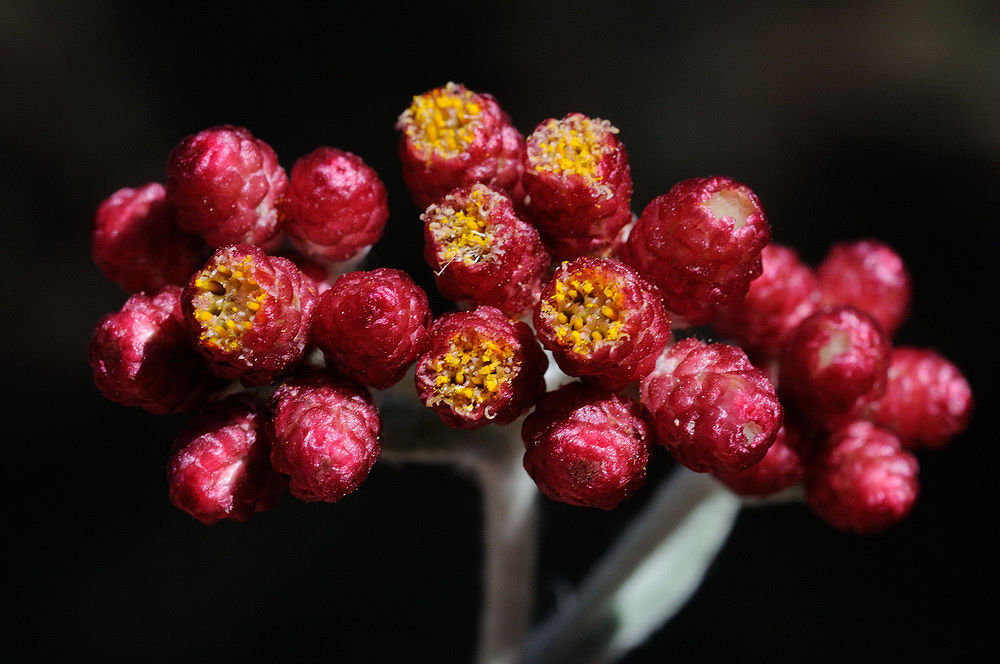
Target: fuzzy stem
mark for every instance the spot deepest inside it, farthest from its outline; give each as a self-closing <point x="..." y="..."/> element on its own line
<point x="643" y="581"/>
<point x="413" y="434"/>
<point x="509" y="549"/>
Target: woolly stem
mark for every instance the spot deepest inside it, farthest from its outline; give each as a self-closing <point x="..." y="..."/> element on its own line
<point x="645" y="579"/>
<point x="509" y="548"/>
<point x="413" y="434"/>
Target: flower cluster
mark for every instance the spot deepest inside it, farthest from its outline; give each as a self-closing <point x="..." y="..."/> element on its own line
<point x="252" y="312"/>
<point x="536" y="243"/>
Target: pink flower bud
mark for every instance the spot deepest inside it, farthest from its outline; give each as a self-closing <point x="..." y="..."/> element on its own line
<point x="834" y="364"/>
<point x="137" y="245"/>
<point x="373" y="325"/>
<point x="701" y="244"/>
<point x="712" y="409"/>
<point x="782" y="466"/>
<point x="778" y="300"/>
<point x="927" y="400"/>
<point x="867" y="275"/>
<point x="335" y="204"/>
<point x="219" y="468"/>
<point x="586" y="446"/>
<point x="862" y="480"/>
<point x="326" y="436"/>
<point x="225" y="185"/>
<point x="140" y="356"/>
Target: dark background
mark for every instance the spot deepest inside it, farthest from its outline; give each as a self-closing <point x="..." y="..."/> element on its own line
<point x="851" y="120"/>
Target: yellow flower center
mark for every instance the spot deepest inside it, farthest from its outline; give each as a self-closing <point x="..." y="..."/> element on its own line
<point x="585" y="310"/>
<point x="227" y="303"/>
<point x="443" y="121"/>
<point x="574" y="145"/>
<point x="471" y="372"/>
<point x="462" y="228"/>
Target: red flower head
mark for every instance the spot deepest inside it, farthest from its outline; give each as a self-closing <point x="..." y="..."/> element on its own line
<point x="335" y="205"/>
<point x="712" y="409"/>
<point x="137" y="245"/>
<point x="701" y="244"/>
<point x="586" y="446"/>
<point x="453" y="137"/>
<point x="778" y="300"/>
<point x="862" y="480"/>
<point x="578" y="186"/>
<point x="602" y="321"/>
<point x="482" y="252"/>
<point x="326" y="435"/>
<point x="372" y="325"/>
<point x="834" y="364"/>
<point x="927" y="400"/>
<point x="870" y="276"/>
<point x="140" y="356"/>
<point x="481" y="368"/>
<point x="249" y="313"/>
<point x="219" y="468"/>
<point x="781" y="467"/>
<point x="225" y="184"/>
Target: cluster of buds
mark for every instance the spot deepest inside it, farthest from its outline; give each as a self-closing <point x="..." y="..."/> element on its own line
<point x="536" y="243"/>
<point x="252" y="313"/>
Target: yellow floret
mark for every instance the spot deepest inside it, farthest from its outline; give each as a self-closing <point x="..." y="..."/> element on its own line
<point x="227" y="303"/>
<point x="585" y="310"/>
<point x="574" y="145"/>
<point x="462" y="228"/>
<point x="471" y="371"/>
<point x="443" y="121"/>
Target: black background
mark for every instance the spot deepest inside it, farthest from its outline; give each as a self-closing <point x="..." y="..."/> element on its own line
<point x="850" y="120"/>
